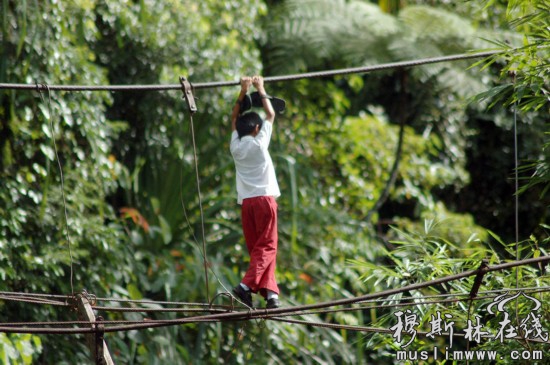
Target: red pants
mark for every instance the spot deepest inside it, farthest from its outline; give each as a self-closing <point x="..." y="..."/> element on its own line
<point x="259" y="219"/>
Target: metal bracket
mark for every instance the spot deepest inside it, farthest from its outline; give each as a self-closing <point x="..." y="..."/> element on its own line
<point x="481" y="271"/>
<point x="187" y="89"/>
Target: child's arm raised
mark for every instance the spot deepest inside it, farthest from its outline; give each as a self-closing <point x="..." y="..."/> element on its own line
<point x="258" y="83"/>
<point x="245" y="85"/>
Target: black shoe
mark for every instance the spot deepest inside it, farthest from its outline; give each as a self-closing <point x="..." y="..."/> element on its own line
<point x="273" y="303"/>
<point x="244" y="295"/>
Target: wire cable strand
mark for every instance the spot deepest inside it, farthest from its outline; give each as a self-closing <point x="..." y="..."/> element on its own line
<point x="201" y="209"/>
<point x="263" y="313"/>
<point x="401" y="302"/>
<point x="67" y="233"/>
<point x="292" y="77"/>
<point x="15" y="295"/>
<point x="516" y="184"/>
<point x="206" y="307"/>
<point x="384" y="330"/>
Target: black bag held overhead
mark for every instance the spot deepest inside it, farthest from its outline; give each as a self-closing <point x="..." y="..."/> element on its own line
<point x="255" y="100"/>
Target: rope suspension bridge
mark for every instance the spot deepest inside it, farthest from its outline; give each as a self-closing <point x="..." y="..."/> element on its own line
<point x="224" y="313"/>
<point x="85" y="303"/>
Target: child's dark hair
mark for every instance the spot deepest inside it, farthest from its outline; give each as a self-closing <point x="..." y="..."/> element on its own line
<point x="247" y="123"/>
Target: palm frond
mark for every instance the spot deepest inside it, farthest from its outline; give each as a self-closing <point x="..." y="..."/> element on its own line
<point x="432" y="26"/>
<point x="369" y="35"/>
<point x="307" y="34"/>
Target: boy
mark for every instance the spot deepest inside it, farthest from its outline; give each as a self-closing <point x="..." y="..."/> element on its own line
<point x="257" y="190"/>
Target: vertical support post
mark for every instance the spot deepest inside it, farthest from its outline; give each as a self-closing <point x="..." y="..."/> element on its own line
<point x="95" y="341"/>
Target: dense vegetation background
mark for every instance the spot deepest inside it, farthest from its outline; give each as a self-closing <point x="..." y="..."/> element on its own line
<point x="388" y="178"/>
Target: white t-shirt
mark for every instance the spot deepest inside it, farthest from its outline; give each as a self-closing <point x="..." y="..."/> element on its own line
<point x="253" y="164"/>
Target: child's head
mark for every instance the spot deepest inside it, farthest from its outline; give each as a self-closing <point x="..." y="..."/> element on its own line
<point x="248" y="123"/>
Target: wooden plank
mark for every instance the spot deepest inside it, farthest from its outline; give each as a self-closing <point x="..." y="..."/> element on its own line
<point x="99" y="353"/>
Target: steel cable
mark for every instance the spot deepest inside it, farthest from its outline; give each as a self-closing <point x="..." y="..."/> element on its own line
<point x="269" y="79"/>
<point x="262" y="313"/>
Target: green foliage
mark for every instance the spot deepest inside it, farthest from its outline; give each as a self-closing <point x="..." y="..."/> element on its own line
<point x="527" y="62"/>
<point x="35" y="249"/>
<point x="537" y="173"/>
<point x="424" y="255"/>
<point x="353" y="170"/>
<point x="524" y="86"/>
<point x="309" y="34"/>
<point x="459" y="228"/>
<point x="129" y="168"/>
<point x="430" y="98"/>
<point x="19" y="349"/>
